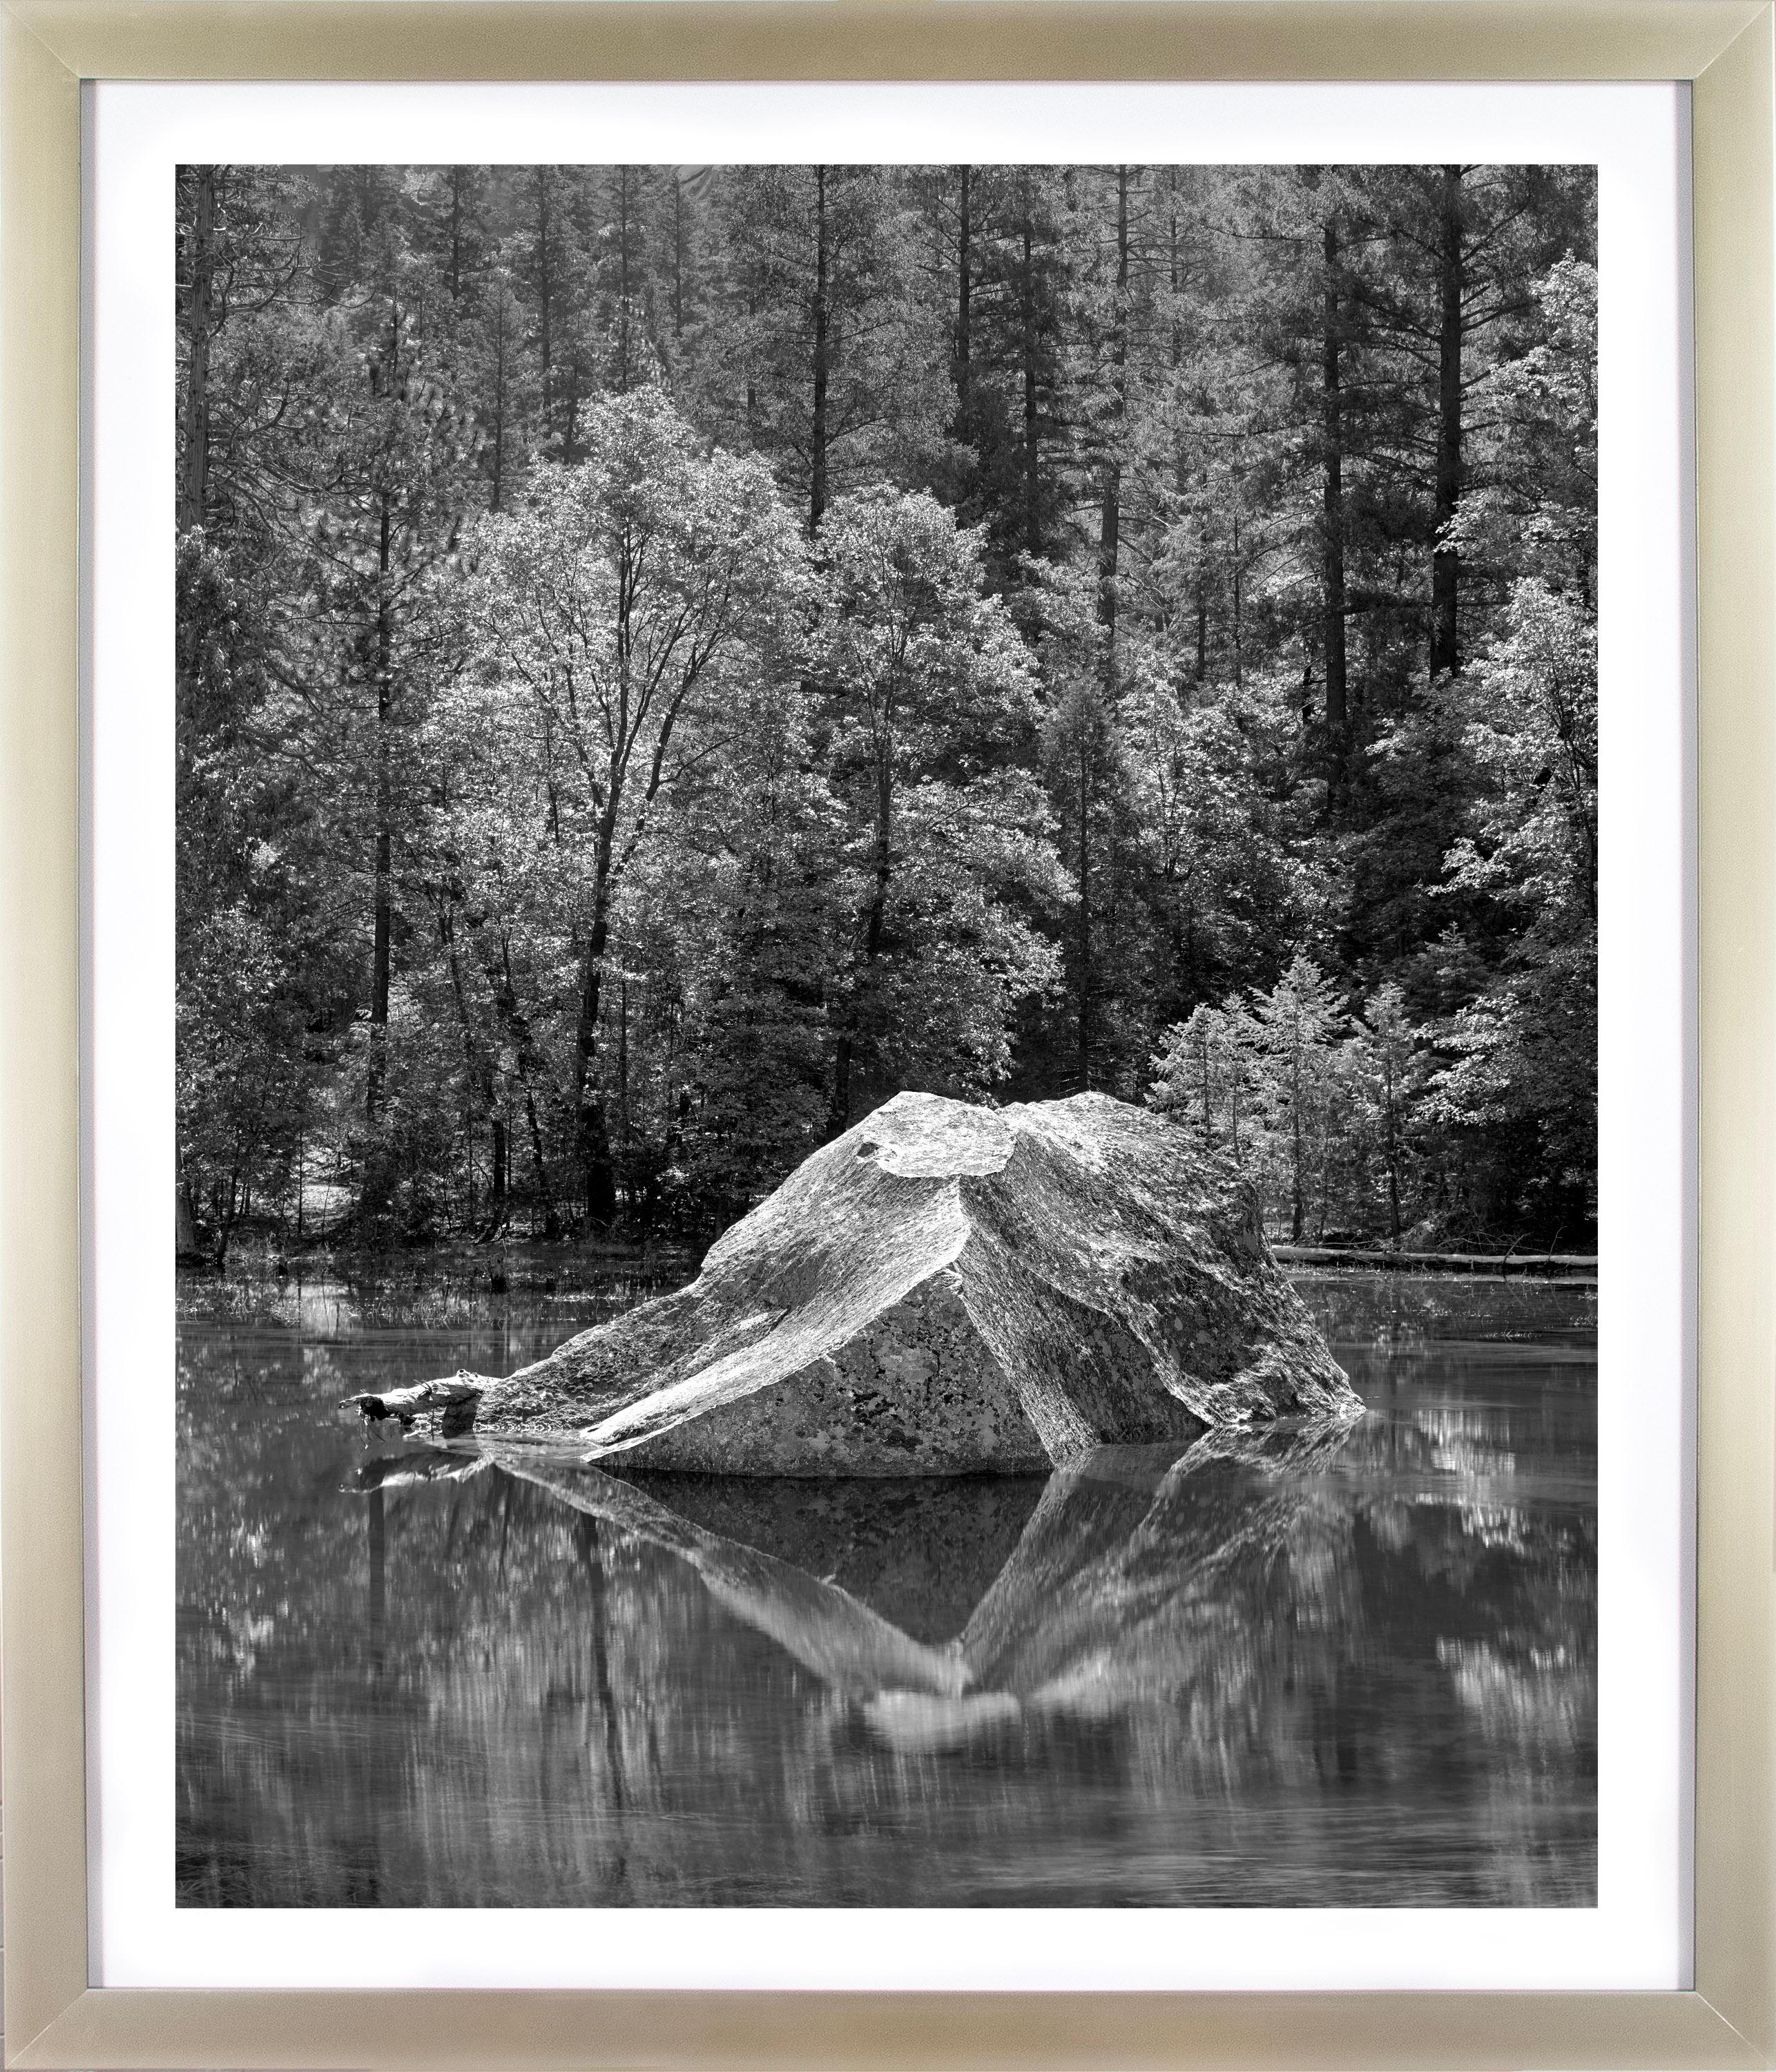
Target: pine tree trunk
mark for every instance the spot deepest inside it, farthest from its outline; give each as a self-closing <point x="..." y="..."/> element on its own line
<point x="592" y="1134"/>
<point x="1297" y="1203"/>
<point x="199" y="298"/>
<point x="884" y="855"/>
<point x="1110" y="520"/>
<point x="678" y="255"/>
<point x="1445" y="654"/>
<point x="502" y="313"/>
<point x="622" y="1069"/>
<point x="817" y="435"/>
<point x="517" y="1026"/>
<point x="1174" y="269"/>
<point x="1393" y="1162"/>
<point x="1085" y="902"/>
<point x="545" y="305"/>
<point x="1032" y="509"/>
<point x="1181" y="457"/>
<point x="478" y="1067"/>
<point x="384" y="851"/>
<point x="570" y="413"/>
<point x="623" y="177"/>
<point x="1332" y="530"/>
<point x="965" y="343"/>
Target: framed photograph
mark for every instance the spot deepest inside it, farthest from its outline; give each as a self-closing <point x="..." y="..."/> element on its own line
<point x="887" y="1066"/>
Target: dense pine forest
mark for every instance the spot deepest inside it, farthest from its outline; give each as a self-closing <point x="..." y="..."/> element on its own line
<point x="671" y="656"/>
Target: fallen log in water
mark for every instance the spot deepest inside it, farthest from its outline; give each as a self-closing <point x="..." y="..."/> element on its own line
<point x="457" y="1399"/>
<point x="1560" y="1265"/>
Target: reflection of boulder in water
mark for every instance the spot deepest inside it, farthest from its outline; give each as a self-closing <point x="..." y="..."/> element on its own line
<point x="1213" y="1606"/>
<point x="414" y="1464"/>
<point x="949" y="1290"/>
<point x="824" y="1628"/>
<point x="1139" y="1577"/>
<point x="920" y="1551"/>
<point x="1202" y="1679"/>
<point x="920" y="1723"/>
<point x="1131" y="1578"/>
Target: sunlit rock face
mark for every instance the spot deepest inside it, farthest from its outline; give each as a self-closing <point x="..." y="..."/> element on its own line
<point x="952" y="1290"/>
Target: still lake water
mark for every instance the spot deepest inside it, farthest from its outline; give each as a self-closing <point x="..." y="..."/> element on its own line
<point x="1354" y="1670"/>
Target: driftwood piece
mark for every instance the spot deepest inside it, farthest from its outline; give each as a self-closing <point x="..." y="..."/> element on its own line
<point x="1552" y="1265"/>
<point x="457" y="1400"/>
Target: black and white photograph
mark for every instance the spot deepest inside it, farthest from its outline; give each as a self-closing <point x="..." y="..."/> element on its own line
<point x="887" y="1036"/>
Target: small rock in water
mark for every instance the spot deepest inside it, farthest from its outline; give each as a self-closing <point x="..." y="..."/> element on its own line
<point x="948" y="1289"/>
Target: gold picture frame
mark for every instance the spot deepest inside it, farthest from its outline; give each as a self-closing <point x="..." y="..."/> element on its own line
<point x="53" y="2017"/>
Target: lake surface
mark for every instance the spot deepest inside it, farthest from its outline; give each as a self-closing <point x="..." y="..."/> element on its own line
<point x="1354" y="1669"/>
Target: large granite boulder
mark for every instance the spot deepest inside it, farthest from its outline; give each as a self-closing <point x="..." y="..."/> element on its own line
<point x="947" y="1289"/>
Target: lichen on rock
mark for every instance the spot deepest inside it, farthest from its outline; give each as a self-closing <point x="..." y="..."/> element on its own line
<point x="947" y="1289"/>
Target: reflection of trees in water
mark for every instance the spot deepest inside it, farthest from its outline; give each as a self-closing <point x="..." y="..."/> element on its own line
<point x="1397" y="1309"/>
<point x="263" y="1338"/>
<point x="447" y="1288"/>
<point x="1318" y="1668"/>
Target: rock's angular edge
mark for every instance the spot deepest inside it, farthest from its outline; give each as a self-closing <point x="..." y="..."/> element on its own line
<point x="950" y="1290"/>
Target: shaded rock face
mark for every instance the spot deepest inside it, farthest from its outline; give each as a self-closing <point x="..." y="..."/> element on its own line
<point x="951" y="1290"/>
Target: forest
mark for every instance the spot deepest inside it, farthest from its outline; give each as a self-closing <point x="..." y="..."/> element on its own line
<point x="670" y="656"/>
